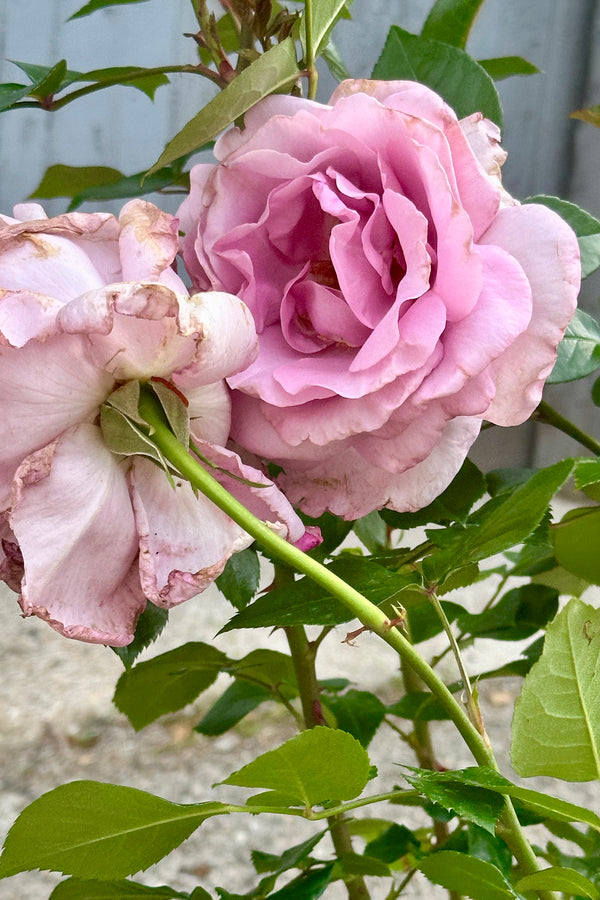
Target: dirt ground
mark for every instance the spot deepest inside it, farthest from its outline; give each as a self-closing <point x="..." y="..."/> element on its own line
<point x="58" y="724"/>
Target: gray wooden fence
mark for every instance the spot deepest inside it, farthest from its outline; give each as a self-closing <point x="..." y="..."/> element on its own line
<point x="548" y="152"/>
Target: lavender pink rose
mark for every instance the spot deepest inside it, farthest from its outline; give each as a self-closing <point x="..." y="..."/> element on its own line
<point x="401" y="296"/>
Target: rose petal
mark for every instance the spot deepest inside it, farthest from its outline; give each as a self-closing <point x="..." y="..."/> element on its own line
<point x="148" y="244"/>
<point x="185" y="540"/>
<point x="72" y="517"/>
<point x="548" y="253"/>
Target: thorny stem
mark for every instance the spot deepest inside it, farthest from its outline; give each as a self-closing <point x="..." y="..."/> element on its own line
<point x="370" y="615"/>
<point x="550" y="416"/>
<point x="303" y="656"/>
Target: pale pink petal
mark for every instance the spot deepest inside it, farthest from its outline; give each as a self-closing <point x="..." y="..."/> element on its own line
<point x="45" y="389"/>
<point x="72" y="517"/>
<point x="548" y="253"/>
<point x="133" y="329"/>
<point x="148" y="244"/>
<point x="210" y="412"/>
<point x="25" y="315"/>
<point x="224" y="335"/>
<point x="185" y="540"/>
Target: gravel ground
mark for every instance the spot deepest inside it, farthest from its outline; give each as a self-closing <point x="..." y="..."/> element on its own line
<point x="58" y="724"/>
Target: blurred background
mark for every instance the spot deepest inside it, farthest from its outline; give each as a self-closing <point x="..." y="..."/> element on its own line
<point x="549" y="153"/>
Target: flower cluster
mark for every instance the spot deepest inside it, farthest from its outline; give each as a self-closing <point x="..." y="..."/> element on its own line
<point x="367" y="294"/>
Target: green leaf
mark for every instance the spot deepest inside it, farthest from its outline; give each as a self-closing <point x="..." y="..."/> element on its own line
<point x="371" y="530"/>
<point x="518" y="614"/>
<point x="341" y="774"/>
<point x="507" y="66"/>
<point x="131" y="186"/>
<point x="576" y="543"/>
<point x="360" y="713"/>
<point x="474" y="803"/>
<point x="585" y="226"/>
<point x="559" y="879"/>
<point x="174" y="408"/>
<point x="545" y="806"/>
<point x="453" y="505"/>
<point x="93" y="5"/>
<point x="579" y="350"/>
<point x="325" y="14"/>
<point x="290" y="859"/>
<point x="275" y="70"/>
<point x="451" y="21"/>
<point x="420" y="706"/>
<point x="99" y="831"/>
<point x="333" y="531"/>
<point x="238" y="581"/>
<point x="240" y="698"/>
<point x="499" y="524"/>
<point x="335" y="63"/>
<point x="305" y="603"/>
<point x="467" y="875"/>
<point x="149" y="625"/>
<point x="489" y="847"/>
<point x="11" y="93"/>
<point x="556" y="724"/>
<point x="395" y="842"/>
<point x="77" y="889"/>
<point x="308" y="885"/>
<point x="67" y="181"/>
<point x="455" y="75"/>
<point x="167" y="682"/>
<point x="52" y="82"/>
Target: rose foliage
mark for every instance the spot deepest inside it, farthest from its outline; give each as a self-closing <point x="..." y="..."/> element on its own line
<point x="400" y="294"/>
<point x="88" y="303"/>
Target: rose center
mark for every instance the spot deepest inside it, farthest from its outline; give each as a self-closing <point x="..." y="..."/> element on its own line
<point x="323" y="272"/>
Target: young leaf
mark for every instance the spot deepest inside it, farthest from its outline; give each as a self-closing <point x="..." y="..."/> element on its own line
<point x="559" y="879"/>
<point x="167" y="682"/>
<point x="342" y="772"/>
<point x="77" y="889"/>
<point x="585" y="226"/>
<point x="467" y="875"/>
<point x="506" y="66"/>
<point x="275" y="70"/>
<point x="93" y="5"/>
<point x="455" y="75"/>
<point x="99" y="831"/>
<point x="590" y="115"/>
<point x="238" y="581"/>
<point x="556" y="725"/>
<point x="149" y="625"/>
<point x="576" y="542"/>
<point x="579" y="350"/>
<point x="360" y="713"/>
<point x="451" y="21"/>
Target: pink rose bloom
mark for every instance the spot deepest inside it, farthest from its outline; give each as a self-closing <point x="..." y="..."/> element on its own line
<point x="400" y="294"/>
<point x="88" y="302"/>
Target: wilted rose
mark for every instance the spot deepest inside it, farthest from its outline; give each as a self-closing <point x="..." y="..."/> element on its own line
<point x="401" y="296"/>
<point x="88" y="303"/>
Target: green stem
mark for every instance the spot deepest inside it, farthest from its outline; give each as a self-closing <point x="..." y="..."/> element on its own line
<point x="550" y="416"/>
<point x="369" y="614"/>
<point x="303" y="656"/>
<point x="313" y="75"/>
